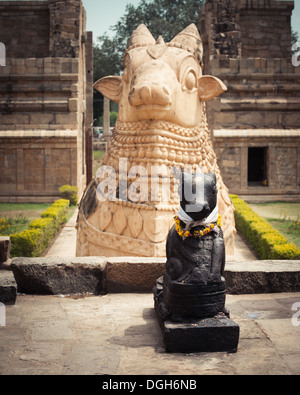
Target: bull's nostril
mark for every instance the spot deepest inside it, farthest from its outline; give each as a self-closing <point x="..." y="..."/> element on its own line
<point x="145" y="94"/>
<point x="165" y="90"/>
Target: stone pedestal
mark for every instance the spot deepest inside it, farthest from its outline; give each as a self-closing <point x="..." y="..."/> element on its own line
<point x="214" y="334"/>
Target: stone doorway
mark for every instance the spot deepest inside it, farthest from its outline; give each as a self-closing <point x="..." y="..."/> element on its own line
<point x="257" y="166"/>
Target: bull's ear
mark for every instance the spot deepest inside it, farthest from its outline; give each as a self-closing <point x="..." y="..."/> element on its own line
<point x="210" y="87"/>
<point x="110" y="87"/>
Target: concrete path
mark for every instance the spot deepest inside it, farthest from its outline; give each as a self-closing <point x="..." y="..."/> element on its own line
<point x="118" y="334"/>
<point x="65" y="243"/>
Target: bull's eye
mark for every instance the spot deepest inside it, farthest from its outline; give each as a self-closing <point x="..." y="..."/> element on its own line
<point x="190" y="80"/>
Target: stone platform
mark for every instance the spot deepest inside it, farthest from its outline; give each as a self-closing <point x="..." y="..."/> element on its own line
<point x="118" y="334"/>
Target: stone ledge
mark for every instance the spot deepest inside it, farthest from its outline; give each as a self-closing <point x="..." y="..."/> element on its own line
<point x="255" y="277"/>
<point x="253" y="133"/>
<point x="25" y="134"/>
<point x="96" y="275"/>
<point x="59" y="275"/>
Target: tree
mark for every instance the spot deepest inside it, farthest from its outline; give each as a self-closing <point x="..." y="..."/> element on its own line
<point x="295" y="39"/>
<point x="162" y="17"/>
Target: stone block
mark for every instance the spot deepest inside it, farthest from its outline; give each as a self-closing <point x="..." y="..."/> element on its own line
<point x="8" y="288"/>
<point x="133" y="274"/>
<point x="5" y="245"/>
<point x="261" y="277"/>
<point x="216" y="334"/>
<point x="59" y="275"/>
<point x="73" y="105"/>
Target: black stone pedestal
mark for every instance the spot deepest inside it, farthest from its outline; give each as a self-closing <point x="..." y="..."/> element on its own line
<point x="215" y="334"/>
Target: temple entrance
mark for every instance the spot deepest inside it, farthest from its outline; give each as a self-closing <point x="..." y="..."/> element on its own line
<point x="257" y="166"/>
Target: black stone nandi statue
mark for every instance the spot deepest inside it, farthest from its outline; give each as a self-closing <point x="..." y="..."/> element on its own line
<point x="190" y="297"/>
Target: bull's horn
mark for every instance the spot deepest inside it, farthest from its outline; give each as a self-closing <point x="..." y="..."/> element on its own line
<point x="190" y="39"/>
<point x="141" y="37"/>
<point x="160" y="41"/>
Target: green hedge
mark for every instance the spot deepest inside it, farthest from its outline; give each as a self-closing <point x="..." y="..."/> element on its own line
<point x="265" y="240"/>
<point x="33" y="241"/>
<point x="70" y="193"/>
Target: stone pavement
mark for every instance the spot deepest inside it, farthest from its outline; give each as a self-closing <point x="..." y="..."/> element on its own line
<point x="118" y="334"/>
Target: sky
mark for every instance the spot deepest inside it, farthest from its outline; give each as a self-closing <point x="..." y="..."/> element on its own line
<point x="101" y="14"/>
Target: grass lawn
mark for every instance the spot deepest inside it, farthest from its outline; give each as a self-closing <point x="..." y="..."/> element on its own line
<point x="19" y="215"/>
<point x="283" y="216"/>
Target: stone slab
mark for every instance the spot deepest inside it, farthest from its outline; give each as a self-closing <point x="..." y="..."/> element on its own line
<point x="8" y="288"/>
<point x="216" y="334"/>
<point x="5" y="245"/>
<point x="133" y="274"/>
<point x="259" y="277"/>
<point x="59" y="275"/>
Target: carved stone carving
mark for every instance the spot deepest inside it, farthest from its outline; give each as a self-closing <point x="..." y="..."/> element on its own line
<point x="161" y="123"/>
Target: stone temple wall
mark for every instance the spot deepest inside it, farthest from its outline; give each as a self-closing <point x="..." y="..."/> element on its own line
<point x="256" y="123"/>
<point x="45" y="99"/>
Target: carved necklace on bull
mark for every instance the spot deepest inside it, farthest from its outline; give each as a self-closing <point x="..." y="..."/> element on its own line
<point x="211" y="224"/>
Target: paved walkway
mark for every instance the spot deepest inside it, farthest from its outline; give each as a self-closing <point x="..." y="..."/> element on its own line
<point x="119" y="334"/>
<point x="65" y="242"/>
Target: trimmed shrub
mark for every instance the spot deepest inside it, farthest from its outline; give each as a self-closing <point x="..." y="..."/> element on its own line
<point x="265" y="240"/>
<point x="61" y="203"/>
<point x="47" y="225"/>
<point x="58" y="214"/>
<point x="34" y="241"/>
<point x="69" y="193"/>
<point x="27" y="243"/>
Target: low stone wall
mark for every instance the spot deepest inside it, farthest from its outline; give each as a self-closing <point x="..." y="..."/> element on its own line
<point x="99" y="275"/>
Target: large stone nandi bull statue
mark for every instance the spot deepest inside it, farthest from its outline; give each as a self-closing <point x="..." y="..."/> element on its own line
<point x="127" y="210"/>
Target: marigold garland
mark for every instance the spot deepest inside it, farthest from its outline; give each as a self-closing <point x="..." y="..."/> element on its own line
<point x="196" y="233"/>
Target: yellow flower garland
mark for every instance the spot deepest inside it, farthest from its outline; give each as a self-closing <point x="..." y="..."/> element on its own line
<point x="196" y="233"/>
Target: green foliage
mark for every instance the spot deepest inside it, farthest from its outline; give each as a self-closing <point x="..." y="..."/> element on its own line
<point x="27" y="243"/>
<point x="69" y="192"/>
<point x="113" y="119"/>
<point x="266" y="241"/>
<point x="48" y="227"/>
<point x="11" y="225"/>
<point x="61" y="203"/>
<point x="33" y="241"/>
<point x="162" y="17"/>
<point x="295" y="38"/>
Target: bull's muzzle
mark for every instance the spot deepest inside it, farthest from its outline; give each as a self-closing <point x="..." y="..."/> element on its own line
<point x="150" y="95"/>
